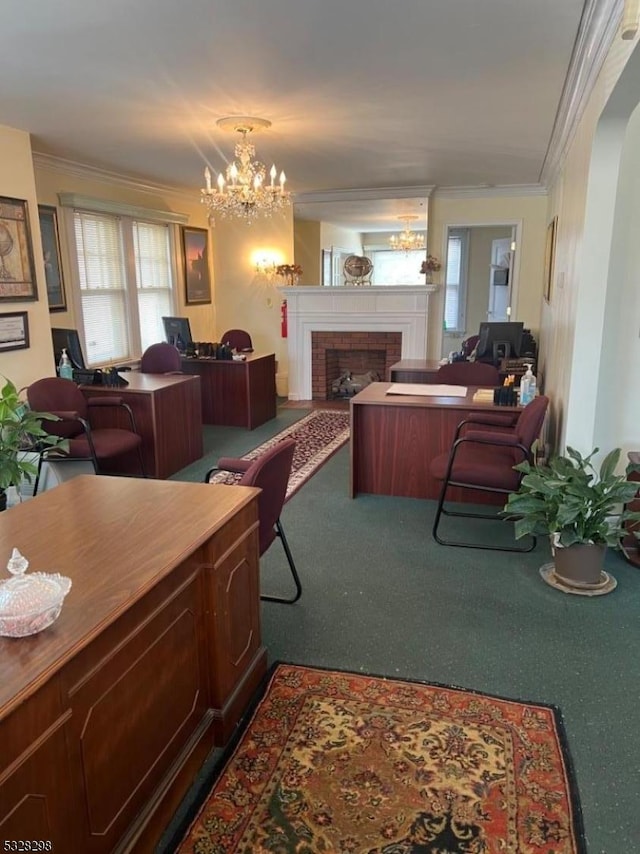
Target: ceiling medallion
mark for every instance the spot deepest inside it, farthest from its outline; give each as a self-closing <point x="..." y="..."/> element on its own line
<point x="407" y="239"/>
<point x="242" y="191"/>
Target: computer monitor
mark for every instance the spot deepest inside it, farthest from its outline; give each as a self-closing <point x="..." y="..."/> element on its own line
<point x="70" y="340"/>
<point x="177" y="326"/>
<point x="499" y="340"/>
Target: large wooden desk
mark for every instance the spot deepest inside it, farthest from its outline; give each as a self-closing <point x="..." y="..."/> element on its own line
<point x="168" y="416"/>
<point x="106" y="716"/>
<point x="395" y="437"/>
<point x="236" y="394"/>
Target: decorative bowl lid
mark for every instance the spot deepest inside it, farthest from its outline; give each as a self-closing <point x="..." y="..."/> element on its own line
<point x="27" y="595"/>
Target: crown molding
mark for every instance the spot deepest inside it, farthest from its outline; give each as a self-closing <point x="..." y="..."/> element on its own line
<point x="365" y="195"/>
<point x="80" y="202"/>
<point x="490" y="191"/>
<point x="94" y="173"/>
<point x="598" y="27"/>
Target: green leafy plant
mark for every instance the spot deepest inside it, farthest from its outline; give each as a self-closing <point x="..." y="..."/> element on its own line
<point x="572" y="501"/>
<point x="20" y="431"/>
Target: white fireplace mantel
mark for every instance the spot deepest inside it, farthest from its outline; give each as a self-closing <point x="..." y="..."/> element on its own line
<point x="373" y="308"/>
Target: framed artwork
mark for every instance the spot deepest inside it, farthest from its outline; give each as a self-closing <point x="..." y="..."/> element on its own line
<point x="17" y="280"/>
<point x="14" y="331"/>
<point x="549" y="257"/>
<point x="195" y="247"/>
<point x="51" y="253"/>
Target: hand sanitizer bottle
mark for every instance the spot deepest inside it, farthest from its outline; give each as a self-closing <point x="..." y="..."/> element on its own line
<point x="527" y="387"/>
<point x="65" y="368"/>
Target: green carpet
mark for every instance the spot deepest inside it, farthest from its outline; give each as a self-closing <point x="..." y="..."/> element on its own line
<point x="380" y="596"/>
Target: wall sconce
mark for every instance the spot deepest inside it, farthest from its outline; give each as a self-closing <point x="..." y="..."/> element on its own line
<point x="265" y="263"/>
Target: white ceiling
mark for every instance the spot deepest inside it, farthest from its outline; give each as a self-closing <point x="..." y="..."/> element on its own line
<point x="361" y="93"/>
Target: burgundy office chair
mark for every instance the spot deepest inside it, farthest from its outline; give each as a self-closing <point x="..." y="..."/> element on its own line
<point x="483" y="460"/>
<point x="269" y="472"/>
<point x="238" y="339"/>
<point x="468" y="373"/>
<point x="99" y="445"/>
<point x="161" y="358"/>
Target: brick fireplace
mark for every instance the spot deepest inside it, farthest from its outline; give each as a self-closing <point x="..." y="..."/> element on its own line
<point x="388" y="319"/>
<point x="334" y="353"/>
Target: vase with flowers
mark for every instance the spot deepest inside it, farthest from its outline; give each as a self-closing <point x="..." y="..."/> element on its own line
<point x="289" y="273"/>
<point x="430" y="266"/>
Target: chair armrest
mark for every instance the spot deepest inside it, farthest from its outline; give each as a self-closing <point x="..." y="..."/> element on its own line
<point x="234" y="464"/>
<point x="494" y="419"/>
<point x="486" y="437"/>
<point x="66" y="415"/>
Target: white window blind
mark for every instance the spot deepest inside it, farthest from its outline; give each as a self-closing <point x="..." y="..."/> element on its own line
<point x="101" y="268"/>
<point x="455" y="281"/>
<point x="126" y="284"/>
<point x="153" y="279"/>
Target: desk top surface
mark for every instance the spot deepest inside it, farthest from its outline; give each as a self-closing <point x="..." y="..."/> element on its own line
<point x="115" y="538"/>
<point x="375" y="394"/>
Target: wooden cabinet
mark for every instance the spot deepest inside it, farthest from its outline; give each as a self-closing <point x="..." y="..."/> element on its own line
<point x="106" y="716"/>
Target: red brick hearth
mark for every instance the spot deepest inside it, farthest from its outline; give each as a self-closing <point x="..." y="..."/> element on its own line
<point x="333" y="353"/>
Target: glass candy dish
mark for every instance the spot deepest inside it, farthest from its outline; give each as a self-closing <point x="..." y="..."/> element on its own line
<point x="29" y="603"/>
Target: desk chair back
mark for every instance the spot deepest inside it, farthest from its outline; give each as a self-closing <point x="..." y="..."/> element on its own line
<point x="238" y="339"/>
<point x="161" y="358"/>
<point x="468" y="373"/>
<point x="270" y="472"/>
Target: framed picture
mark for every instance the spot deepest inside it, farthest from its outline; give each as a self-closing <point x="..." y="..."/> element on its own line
<point x="14" y="331"/>
<point x="195" y="247"/>
<point x="549" y="257"/>
<point x="17" y="280"/>
<point x="51" y="253"/>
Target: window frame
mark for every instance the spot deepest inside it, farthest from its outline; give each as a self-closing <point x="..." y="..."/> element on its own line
<point x="125" y="221"/>
<point x="463" y="234"/>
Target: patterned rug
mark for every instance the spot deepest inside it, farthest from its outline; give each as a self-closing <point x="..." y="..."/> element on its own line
<point x="318" y="435"/>
<point x="342" y="762"/>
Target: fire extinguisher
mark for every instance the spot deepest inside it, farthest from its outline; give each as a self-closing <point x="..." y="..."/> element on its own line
<point x="283" y="319"/>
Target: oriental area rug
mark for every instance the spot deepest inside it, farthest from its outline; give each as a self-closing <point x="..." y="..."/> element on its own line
<point x="318" y="436"/>
<point x="348" y="763"/>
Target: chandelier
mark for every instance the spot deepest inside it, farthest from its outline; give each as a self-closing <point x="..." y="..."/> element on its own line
<point x="243" y="191"/>
<point x="407" y="239"/>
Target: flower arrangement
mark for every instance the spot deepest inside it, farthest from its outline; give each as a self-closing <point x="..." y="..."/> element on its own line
<point x="430" y="265"/>
<point x="289" y="272"/>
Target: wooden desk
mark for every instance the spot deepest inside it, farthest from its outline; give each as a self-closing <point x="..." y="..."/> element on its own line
<point x="168" y="416"/>
<point x="106" y="716"/>
<point x="236" y="394"/>
<point x="414" y="371"/>
<point x="395" y="437"/>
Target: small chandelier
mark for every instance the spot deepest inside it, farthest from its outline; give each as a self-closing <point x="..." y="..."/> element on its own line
<point x="407" y="239"/>
<point x="244" y="192"/>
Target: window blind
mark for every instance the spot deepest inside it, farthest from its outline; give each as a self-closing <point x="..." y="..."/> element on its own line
<point x="126" y="284"/>
<point x="393" y="267"/>
<point x="452" y="283"/>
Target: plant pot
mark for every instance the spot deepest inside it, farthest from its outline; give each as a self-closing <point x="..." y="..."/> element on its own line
<point x="3" y="500"/>
<point x="579" y="565"/>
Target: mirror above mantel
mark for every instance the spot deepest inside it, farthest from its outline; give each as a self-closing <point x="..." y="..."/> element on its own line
<point x="332" y="225"/>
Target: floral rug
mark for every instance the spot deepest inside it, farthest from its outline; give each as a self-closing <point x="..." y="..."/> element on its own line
<point x="342" y="762"/>
<point x="318" y="435"/>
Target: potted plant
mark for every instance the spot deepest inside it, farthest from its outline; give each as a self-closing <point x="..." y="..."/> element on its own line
<point x="581" y="508"/>
<point x="20" y="431"/>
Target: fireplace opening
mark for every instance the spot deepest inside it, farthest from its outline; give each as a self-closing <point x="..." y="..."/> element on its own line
<point x="336" y="354"/>
<point x="349" y="383"/>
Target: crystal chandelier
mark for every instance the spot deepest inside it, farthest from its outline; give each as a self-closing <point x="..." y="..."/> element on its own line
<point x="407" y="239"/>
<point x="244" y="192"/>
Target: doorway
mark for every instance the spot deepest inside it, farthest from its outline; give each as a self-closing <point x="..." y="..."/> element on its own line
<point x="478" y="280"/>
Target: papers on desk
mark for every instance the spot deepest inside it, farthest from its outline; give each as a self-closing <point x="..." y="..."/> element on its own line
<point x="484" y="395"/>
<point x="427" y="390"/>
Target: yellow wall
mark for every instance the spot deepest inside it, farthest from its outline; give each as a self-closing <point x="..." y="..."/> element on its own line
<point x="308" y="250"/>
<point x="17" y="182"/>
<point x="530" y="211"/>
